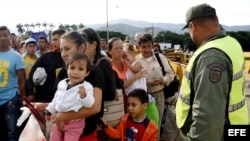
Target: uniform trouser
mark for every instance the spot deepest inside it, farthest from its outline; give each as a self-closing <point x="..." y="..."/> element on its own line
<point x="73" y="130"/>
<point x="160" y="100"/>
<point x="11" y="112"/>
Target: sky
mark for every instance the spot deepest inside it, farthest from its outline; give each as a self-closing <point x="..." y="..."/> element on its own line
<point x="230" y="12"/>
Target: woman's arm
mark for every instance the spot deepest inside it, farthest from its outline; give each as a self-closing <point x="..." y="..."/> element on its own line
<point x="108" y="75"/>
<point x="136" y="68"/>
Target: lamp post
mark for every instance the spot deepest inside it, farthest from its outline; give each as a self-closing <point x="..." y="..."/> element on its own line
<point x="107" y="20"/>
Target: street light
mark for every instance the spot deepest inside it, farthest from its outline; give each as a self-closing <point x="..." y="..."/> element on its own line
<point x="107" y="20"/>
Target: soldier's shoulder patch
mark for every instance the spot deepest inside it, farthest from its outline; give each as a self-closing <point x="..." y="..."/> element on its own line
<point x="215" y="71"/>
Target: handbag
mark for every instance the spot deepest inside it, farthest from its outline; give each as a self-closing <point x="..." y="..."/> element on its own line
<point x="173" y="87"/>
<point x="152" y="111"/>
<point x="114" y="110"/>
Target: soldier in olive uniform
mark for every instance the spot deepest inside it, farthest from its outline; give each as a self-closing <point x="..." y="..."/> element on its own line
<point x="211" y="93"/>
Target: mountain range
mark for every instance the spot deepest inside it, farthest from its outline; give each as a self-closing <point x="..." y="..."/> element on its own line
<point x="131" y="27"/>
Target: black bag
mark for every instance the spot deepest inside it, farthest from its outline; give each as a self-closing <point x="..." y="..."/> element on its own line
<point x="173" y="87"/>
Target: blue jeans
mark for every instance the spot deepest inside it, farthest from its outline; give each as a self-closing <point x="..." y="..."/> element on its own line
<point x="10" y="113"/>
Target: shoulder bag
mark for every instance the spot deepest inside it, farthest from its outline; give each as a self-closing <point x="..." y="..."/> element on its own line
<point x="173" y="87"/>
<point x="113" y="110"/>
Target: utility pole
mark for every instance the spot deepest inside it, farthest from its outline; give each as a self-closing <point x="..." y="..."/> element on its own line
<point x="107" y="20"/>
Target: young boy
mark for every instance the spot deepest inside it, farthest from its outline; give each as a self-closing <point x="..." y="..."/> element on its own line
<point x="134" y="125"/>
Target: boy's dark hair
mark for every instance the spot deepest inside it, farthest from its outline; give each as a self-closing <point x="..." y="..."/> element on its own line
<point x="44" y="38"/>
<point x="60" y="32"/>
<point x="77" y="57"/>
<point x="146" y="38"/>
<point x="141" y="94"/>
<point x="12" y="34"/>
<point x="4" y="28"/>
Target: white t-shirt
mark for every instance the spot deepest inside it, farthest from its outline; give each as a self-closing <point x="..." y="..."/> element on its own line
<point x="69" y="100"/>
<point x="139" y="83"/>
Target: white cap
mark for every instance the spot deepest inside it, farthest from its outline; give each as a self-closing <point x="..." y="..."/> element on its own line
<point x="39" y="76"/>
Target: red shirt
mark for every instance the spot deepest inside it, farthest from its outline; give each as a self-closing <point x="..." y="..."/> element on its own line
<point x="139" y="126"/>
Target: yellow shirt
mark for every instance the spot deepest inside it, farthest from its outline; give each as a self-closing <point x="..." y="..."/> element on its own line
<point x="28" y="63"/>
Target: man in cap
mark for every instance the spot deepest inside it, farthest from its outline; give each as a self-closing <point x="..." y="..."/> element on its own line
<point x="30" y="56"/>
<point x="211" y="93"/>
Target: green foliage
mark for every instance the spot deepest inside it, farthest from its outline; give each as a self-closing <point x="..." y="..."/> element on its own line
<point x="184" y="39"/>
<point x="162" y="37"/>
<point x="174" y="38"/>
<point x="103" y="34"/>
<point x="27" y="29"/>
<point x="243" y="37"/>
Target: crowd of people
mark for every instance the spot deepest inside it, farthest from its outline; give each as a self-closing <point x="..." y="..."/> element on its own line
<point x="69" y="78"/>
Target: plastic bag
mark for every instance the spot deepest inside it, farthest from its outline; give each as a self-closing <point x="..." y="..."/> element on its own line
<point x="152" y="110"/>
<point x="32" y="131"/>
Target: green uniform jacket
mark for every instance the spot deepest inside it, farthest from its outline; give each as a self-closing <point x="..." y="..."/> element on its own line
<point x="210" y="92"/>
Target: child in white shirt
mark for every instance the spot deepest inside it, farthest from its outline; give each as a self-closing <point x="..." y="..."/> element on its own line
<point x="134" y="67"/>
<point x="72" y="94"/>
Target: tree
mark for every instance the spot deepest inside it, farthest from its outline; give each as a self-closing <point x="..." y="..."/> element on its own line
<point x="67" y="27"/>
<point x="74" y="27"/>
<point x="45" y="25"/>
<point x="38" y="24"/>
<point x="29" y="32"/>
<point x="61" y="26"/>
<point x="32" y="25"/>
<point x="20" y="28"/>
<point x="243" y="38"/>
<point x="174" y="38"/>
<point x="103" y="34"/>
<point x="80" y="26"/>
<point x="51" y="25"/>
<point x="169" y="37"/>
<point x="188" y="42"/>
<point x="27" y="27"/>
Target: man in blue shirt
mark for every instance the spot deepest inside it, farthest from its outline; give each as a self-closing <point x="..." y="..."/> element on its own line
<point x="12" y="84"/>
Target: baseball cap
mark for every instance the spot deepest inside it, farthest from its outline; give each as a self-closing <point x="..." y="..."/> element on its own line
<point x="30" y="40"/>
<point x="199" y="11"/>
<point x="39" y="76"/>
